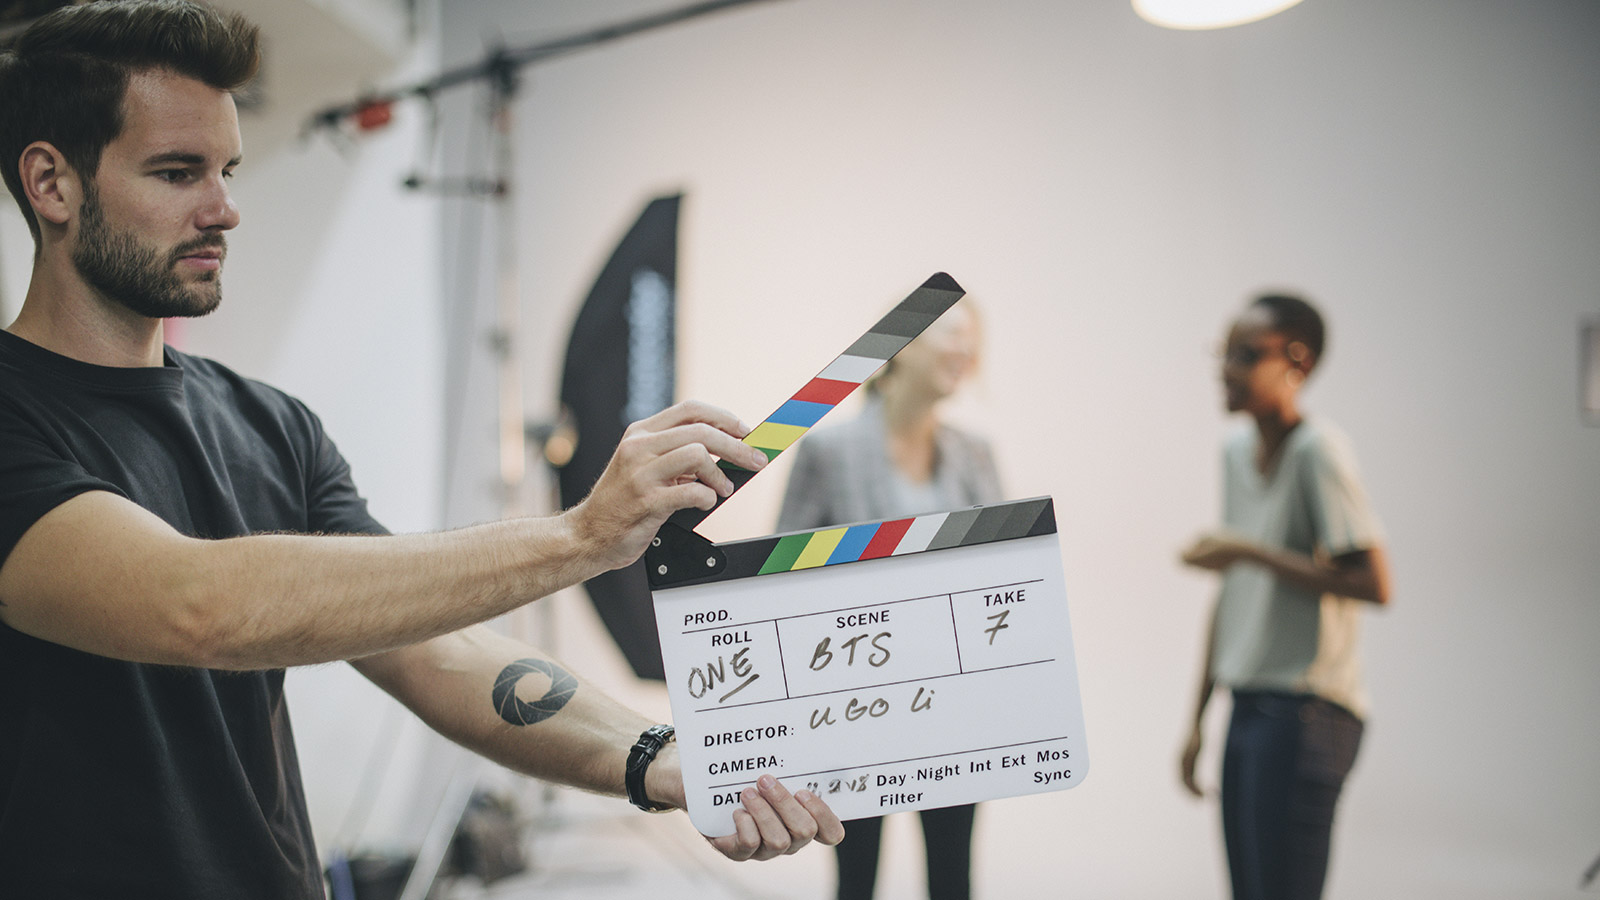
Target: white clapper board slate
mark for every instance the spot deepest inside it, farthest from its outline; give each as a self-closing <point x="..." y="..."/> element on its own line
<point x="886" y="666"/>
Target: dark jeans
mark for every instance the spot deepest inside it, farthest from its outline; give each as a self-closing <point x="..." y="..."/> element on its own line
<point x="1285" y="763"/>
<point x="946" y="832"/>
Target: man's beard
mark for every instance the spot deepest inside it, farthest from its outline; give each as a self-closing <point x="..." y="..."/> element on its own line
<point x="136" y="276"/>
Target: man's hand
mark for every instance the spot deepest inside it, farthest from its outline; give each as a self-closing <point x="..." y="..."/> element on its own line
<point x="772" y="823"/>
<point x="1186" y="765"/>
<point x="775" y="822"/>
<point x="664" y="463"/>
<point x="1217" y="551"/>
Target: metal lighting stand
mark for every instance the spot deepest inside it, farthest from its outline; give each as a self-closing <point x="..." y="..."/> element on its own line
<point x="499" y="70"/>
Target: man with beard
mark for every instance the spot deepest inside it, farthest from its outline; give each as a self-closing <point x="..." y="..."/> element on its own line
<point x="136" y="277"/>
<point x="173" y="535"/>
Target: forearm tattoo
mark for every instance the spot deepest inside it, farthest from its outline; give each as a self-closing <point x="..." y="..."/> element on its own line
<point x="518" y="712"/>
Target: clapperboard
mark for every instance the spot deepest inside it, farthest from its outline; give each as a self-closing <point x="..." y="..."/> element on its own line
<point x="886" y="666"/>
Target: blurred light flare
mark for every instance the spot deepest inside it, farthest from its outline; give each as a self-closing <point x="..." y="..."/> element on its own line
<point x="1193" y="15"/>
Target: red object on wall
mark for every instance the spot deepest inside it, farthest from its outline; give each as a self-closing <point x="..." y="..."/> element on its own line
<point x="372" y="116"/>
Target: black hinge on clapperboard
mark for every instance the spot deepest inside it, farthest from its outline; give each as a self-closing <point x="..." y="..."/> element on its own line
<point x="680" y="554"/>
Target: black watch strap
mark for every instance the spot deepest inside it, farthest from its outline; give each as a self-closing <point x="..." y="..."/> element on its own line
<point x="639" y="759"/>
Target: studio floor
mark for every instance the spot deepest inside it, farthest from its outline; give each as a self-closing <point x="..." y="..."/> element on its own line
<point x="582" y="846"/>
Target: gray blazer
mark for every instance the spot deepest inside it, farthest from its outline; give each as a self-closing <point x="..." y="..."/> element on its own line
<point x="842" y="474"/>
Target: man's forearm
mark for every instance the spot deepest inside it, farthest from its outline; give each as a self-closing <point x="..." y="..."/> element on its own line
<point x="272" y="600"/>
<point x="345" y="597"/>
<point x="525" y="710"/>
<point x="516" y="706"/>
<point x="101" y="574"/>
<point x="1208" y="682"/>
<point x="1353" y="576"/>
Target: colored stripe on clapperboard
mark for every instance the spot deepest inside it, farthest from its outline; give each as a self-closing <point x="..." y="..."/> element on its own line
<point x="855" y="365"/>
<point x="837" y="545"/>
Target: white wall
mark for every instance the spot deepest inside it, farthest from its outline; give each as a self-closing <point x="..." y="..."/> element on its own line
<point x="16" y="258"/>
<point x="1110" y="193"/>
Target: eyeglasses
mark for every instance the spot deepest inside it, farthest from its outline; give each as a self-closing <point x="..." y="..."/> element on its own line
<point x="1247" y="356"/>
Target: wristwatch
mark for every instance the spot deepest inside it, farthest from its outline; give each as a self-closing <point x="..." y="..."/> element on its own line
<point x="640" y="757"/>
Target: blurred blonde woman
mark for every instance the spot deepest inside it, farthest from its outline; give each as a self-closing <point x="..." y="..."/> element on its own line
<point x="897" y="459"/>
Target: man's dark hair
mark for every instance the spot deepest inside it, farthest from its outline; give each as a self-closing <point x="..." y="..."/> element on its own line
<point x="64" y="78"/>
<point x="1296" y="320"/>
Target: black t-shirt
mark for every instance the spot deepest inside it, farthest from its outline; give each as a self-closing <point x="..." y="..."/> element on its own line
<point x="121" y="779"/>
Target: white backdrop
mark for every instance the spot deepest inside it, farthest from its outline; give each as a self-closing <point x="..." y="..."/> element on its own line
<point x="1109" y="193"/>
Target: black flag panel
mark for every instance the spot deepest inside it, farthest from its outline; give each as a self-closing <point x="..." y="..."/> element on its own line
<point x="621" y="367"/>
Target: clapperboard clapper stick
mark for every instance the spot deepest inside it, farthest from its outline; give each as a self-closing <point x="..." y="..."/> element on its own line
<point x="886" y="666"/>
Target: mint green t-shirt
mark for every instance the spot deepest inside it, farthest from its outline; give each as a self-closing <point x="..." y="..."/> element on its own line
<point x="1276" y="636"/>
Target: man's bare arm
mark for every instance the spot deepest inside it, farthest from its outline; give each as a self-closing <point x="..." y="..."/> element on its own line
<point x="527" y="711"/>
<point x="1190" y="756"/>
<point x="101" y="574"/>
<point x="1361" y="574"/>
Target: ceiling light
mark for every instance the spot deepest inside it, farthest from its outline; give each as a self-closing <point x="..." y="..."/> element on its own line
<point x="1198" y="14"/>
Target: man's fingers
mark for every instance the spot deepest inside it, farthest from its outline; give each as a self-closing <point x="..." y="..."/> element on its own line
<point x="712" y="439"/>
<point x="797" y="821"/>
<point x="774" y="822"/>
<point x="830" y="830"/>
<point x="743" y="843"/>
<point x="691" y="460"/>
<point x="690" y="411"/>
<point x="782" y="824"/>
<point x="775" y="837"/>
<point x="1202" y="547"/>
<point x="687" y="494"/>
